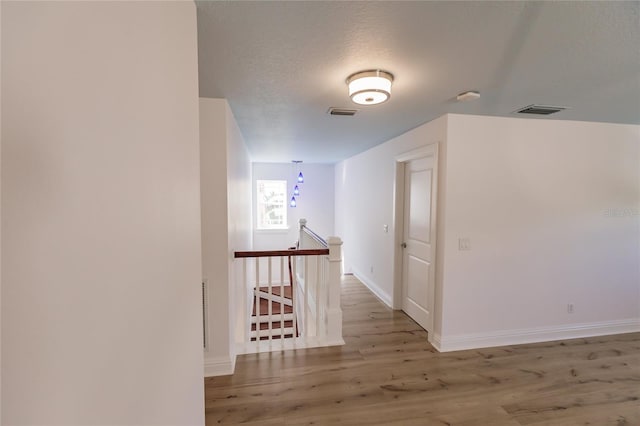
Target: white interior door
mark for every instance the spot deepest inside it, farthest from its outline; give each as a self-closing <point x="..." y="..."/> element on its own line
<point x="418" y="272"/>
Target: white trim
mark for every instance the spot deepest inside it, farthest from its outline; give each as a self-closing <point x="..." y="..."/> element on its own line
<point x="375" y="289"/>
<point x="435" y="340"/>
<point x="428" y="150"/>
<point x="533" y="335"/>
<point x="398" y="233"/>
<point x="219" y="366"/>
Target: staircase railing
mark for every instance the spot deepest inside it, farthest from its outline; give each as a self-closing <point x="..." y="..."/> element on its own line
<point x="320" y="285"/>
<point x="291" y="298"/>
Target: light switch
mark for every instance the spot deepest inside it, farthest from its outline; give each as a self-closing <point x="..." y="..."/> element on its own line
<point x="464" y="244"/>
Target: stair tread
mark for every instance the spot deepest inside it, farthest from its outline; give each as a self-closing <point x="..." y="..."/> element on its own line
<point x="275" y="290"/>
<point x="275" y="307"/>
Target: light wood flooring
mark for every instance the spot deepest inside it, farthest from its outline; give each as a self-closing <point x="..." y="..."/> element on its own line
<point x="387" y="374"/>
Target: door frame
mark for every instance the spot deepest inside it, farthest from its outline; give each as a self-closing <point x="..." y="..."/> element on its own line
<point x="398" y="220"/>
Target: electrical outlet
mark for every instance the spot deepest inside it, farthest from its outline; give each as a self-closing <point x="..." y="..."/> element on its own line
<point x="385" y="228"/>
<point x="464" y="244"/>
<point x="570" y="308"/>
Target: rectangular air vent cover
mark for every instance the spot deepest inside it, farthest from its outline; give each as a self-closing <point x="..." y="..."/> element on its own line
<point x="540" y="109"/>
<point x="342" y="111"/>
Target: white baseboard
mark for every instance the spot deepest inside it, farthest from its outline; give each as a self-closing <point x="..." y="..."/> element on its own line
<point x="219" y="366"/>
<point x="435" y="340"/>
<point x="375" y="289"/>
<point x="532" y="335"/>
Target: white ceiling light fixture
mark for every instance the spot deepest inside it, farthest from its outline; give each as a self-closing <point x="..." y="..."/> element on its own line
<point x="468" y="96"/>
<point x="370" y="87"/>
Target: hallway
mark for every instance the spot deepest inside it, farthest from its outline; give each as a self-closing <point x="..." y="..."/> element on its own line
<point x="387" y="373"/>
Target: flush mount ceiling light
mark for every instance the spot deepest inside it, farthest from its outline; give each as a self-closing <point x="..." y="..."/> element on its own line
<point x="468" y="96"/>
<point x="370" y="87"/>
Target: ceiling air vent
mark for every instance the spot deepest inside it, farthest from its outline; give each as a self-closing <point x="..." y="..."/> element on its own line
<point x="540" y="109"/>
<point x="342" y="111"/>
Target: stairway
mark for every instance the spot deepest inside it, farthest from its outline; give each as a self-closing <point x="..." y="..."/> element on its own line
<point x="282" y="326"/>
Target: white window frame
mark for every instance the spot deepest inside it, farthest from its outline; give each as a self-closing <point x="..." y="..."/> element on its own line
<point x="280" y="203"/>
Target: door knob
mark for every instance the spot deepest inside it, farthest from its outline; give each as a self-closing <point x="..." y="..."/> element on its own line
<point x="403" y="245"/>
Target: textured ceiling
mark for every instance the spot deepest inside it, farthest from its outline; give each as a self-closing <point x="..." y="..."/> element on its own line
<point x="281" y="65"/>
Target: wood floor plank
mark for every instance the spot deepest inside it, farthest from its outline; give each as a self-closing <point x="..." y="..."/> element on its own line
<point x="388" y="374"/>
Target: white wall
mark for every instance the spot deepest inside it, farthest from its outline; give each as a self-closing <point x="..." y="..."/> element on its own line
<point x="239" y="184"/>
<point x="534" y="197"/>
<point x="365" y="203"/>
<point x="101" y="252"/>
<point x="226" y="225"/>
<point x="315" y="203"/>
<point x="214" y="212"/>
<point x="551" y="209"/>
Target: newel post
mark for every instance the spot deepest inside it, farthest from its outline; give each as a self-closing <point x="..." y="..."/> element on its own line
<point x="302" y="223"/>
<point x="334" y="311"/>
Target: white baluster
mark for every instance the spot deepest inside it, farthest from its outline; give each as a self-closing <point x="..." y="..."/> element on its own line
<point x="282" y="301"/>
<point x="257" y="303"/>
<point x="293" y="280"/>
<point x="269" y="297"/>
<point x="334" y="312"/>
<point x="246" y="330"/>
<point x="317" y="293"/>
<point x="305" y="329"/>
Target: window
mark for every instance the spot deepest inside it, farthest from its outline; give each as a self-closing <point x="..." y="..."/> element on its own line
<point x="271" y="204"/>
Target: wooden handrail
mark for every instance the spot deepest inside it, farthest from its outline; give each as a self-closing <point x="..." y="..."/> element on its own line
<point x="273" y="253"/>
<point x="314" y="294"/>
